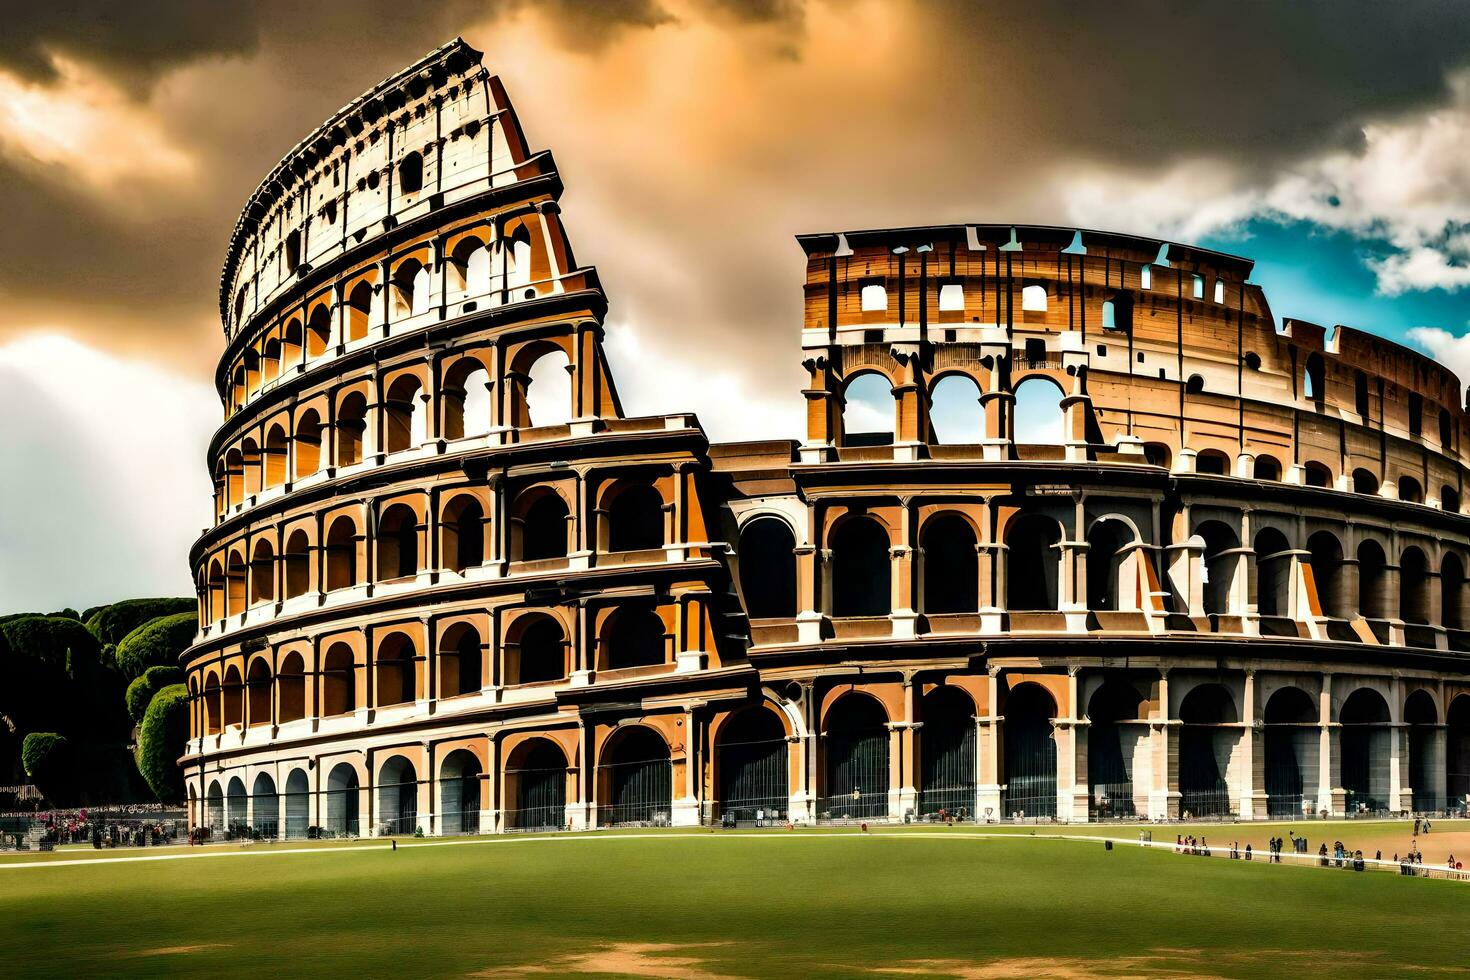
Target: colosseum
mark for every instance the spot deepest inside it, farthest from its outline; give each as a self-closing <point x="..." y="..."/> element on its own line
<point x="1077" y="530"/>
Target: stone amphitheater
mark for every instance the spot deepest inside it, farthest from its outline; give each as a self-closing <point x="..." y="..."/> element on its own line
<point x="1077" y="531"/>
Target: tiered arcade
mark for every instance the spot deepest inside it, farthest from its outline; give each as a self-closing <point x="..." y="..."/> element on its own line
<point x="1124" y="550"/>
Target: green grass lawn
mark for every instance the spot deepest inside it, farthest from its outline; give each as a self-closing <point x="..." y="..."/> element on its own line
<point x="714" y="905"/>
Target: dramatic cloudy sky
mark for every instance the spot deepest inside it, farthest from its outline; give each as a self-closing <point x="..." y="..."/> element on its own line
<point x="1330" y="141"/>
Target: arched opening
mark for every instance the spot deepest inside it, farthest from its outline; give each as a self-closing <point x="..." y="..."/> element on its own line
<point x="459" y="793"/>
<point x="767" y="558"/>
<point x="297" y="560"/>
<point x="1316" y="474"/>
<point x="397" y="670"/>
<point x="341" y="558"/>
<point x="536" y="651"/>
<point x="1158" y="454"/>
<point x="1413" y="587"/>
<point x="1365" y="735"/>
<point x="308" y="441"/>
<point x="1292" y="751"/>
<point x="548" y="398"/>
<point x="867" y="411"/>
<point x="860" y="568"/>
<point x="213" y="696"/>
<point x="1364" y="481"/>
<point x="1117" y="734"/>
<point x="951" y="565"/>
<point x="234" y="698"/>
<point x="1194" y="384"/>
<point x="1449" y="499"/>
<point x="274" y="457"/>
<point x="262" y="573"/>
<point x="1212" y="462"/>
<point x="1314" y="382"/>
<point x="237" y="809"/>
<point x="250" y="461"/>
<point x="1457" y="754"/>
<point x="217" y="608"/>
<point x="515" y="252"/>
<point x="1446" y="430"/>
<point x="1267" y="468"/>
<point x="1372" y="580"/>
<point x="635" y="518"/>
<point x="542" y="528"/>
<point x="265" y="808"/>
<point x="410" y="290"/>
<point x="536" y="784"/>
<point x="351" y="424"/>
<point x="1221" y="559"/>
<point x="397" y="543"/>
<point x="1033" y="299"/>
<point x="339" y="681"/>
<point x="298" y="805"/>
<point x="469" y="268"/>
<point x="464" y="533"/>
<point x="291" y="684"/>
<point x="214" y="808"/>
<point x="1039" y="416"/>
<point x="1360" y="395"/>
<point x="635" y="780"/>
<point x="754" y="768"/>
<point x="856" y="751"/>
<point x="359" y="310"/>
<point x="460" y="661"/>
<point x="1108" y="549"/>
<point x="1452" y="591"/>
<point x="873" y="298"/>
<point x="1325" y="561"/>
<point x="405" y="423"/>
<point x="1273" y="574"/>
<point x="398" y="798"/>
<point x="465" y="395"/>
<point x="1422" y="718"/>
<point x="634" y="636"/>
<point x="293" y="251"/>
<point x="343" y="802"/>
<point x="1032" y="563"/>
<point x="1411" y="490"/>
<point x="1030" y="754"/>
<point x="258" y="693"/>
<point x="1207" y="741"/>
<point x="955" y="413"/>
<point x="411" y="174"/>
<point x="319" y="331"/>
<point x="947" y="754"/>
<point x="236" y="570"/>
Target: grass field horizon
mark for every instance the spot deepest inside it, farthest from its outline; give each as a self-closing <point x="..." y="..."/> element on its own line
<point x="939" y="902"/>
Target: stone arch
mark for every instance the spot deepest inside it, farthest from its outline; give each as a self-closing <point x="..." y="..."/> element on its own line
<point x="868" y="409"/>
<point x="540" y="525"/>
<point x="258" y="690"/>
<point x="860" y="567"/>
<point x="265" y="807"/>
<point x="1114" y="743"/>
<point x="1372" y="580"/>
<point x="1273" y="561"/>
<point x="318" y="330"/>
<point x="1452" y="590"/>
<point x="343" y="802"/>
<point x="1207" y="743"/>
<point x="1266" y="468"/>
<point x="1422" y="716"/>
<point x="465" y="398"/>
<point x="1411" y="490"/>
<point x="298" y="805"/>
<point x="1414" y="586"/>
<point x="1033" y="562"/>
<point x="536" y="778"/>
<point x="350" y="427"/>
<point x="633" y="635"/>
<point x="1364" y="740"/>
<point x="767" y="558"/>
<point x="947" y="753"/>
<point x="1039" y="416"/>
<point x="459" y="793"/>
<point x="1364" y="481"/>
<point x="275" y="456"/>
<point x="296" y="563"/>
<point x="341" y="553"/>
<point x="233" y="696"/>
<point x="634" y="512"/>
<point x="359" y="310"/>
<point x="1110" y="545"/>
<point x="635" y="778"/>
<point x="1221" y="558"/>
<point x="396" y="670"/>
<point x="752" y="766"/>
<point x="951" y="564"/>
<point x="398" y="797"/>
<point x="1029" y="756"/>
<point x="397" y="542"/>
<point x="956" y="413"/>
<point x="263" y="572"/>
<point x="855" y="758"/>
<point x="214" y="808"/>
<point x="461" y="661"/>
<point x="339" y="680"/>
<point x="540" y="385"/>
<point x="291" y="688"/>
<point x="1324" y="558"/>
<point x="1315" y="474"/>
<point x="237" y="808"/>
<point x="463" y="526"/>
<point x="1291" y="757"/>
<point x="405" y="423"/>
<point x="1212" y="462"/>
<point x="213" y="704"/>
<point x="536" y="650"/>
<point x="1457" y="753"/>
<point x="308" y="444"/>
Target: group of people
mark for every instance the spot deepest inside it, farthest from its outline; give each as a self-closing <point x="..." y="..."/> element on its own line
<point x="133" y="825"/>
<point x="1343" y="856"/>
<point x="1191" y="845"/>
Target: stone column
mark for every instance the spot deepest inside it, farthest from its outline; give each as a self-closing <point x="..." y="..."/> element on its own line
<point x="1330" y="796"/>
<point x="903" y="618"/>
<point x="987" y="790"/>
<point x="1252" y="796"/>
<point x="1163" y="796"/>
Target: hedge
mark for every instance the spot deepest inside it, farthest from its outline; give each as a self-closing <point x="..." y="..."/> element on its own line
<point x="157" y="643"/>
<point x="111" y="623"/>
<point x="161" y="740"/>
<point x="141" y="691"/>
<point x="47" y="758"/>
<point x="59" y="642"/>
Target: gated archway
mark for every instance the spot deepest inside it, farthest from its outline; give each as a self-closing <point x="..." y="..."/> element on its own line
<point x="459" y="793"/>
<point x="1030" y="757"/>
<point x="398" y="797"/>
<point x="1291" y="735"/>
<point x="754" y="767"/>
<point x="1206" y="740"/>
<point x="856" y="770"/>
<point x="636" y="779"/>
<point x="536" y="785"/>
<point x="343" y="802"/>
<point x="947" y="754"/>
<point x="1365" y="750"/>
<point x="298" y="805"/>
<point x="1112" y="744"/>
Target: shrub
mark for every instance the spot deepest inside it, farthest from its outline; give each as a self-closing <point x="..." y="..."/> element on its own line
<point x="141" y="691"/>
<point x="111" y="623"/>
<point x="58" y="642"/>
<point x="47" y="760"/>
<point x="161" y="740"/>
<point x="157" y="643"/>
<point x="48" y="670"/>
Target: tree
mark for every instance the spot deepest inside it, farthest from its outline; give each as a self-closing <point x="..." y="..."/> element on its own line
<point x="143" y="688"/>
<point x="161" y="740"/>
<point x="48" y="762"/>
<point x="157" y="643"/>
<point x="41" y="662"/>
<point x="111" y="623"/>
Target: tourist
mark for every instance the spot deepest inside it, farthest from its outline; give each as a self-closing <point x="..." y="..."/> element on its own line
<point x="1247" y="852"/>
<point x="1322" y="854"/>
